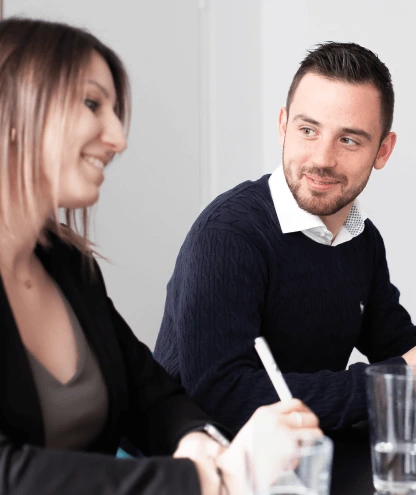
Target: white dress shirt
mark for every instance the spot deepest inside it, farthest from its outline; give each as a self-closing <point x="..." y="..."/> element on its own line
<point x="294" y="219"/>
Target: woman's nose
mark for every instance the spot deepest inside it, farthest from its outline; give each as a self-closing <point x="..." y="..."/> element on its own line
<point x="113" y="134"/>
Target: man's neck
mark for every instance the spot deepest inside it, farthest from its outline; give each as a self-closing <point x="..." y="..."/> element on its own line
<point x="335" y="222"/>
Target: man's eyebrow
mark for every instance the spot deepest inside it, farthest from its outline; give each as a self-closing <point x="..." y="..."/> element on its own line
<point x="301" y="116"/>
<point x="357" y="132"/>
<point x="100" y="87"/>
<point x="345" y="130"/>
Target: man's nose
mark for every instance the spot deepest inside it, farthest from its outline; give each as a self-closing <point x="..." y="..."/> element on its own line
<point x="324" y="154"/>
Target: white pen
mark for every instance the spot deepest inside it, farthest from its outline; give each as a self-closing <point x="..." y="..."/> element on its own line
<point x="272" y="369"/>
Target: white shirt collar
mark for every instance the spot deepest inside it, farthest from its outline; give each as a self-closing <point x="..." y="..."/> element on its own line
<point x="294" y="219"/>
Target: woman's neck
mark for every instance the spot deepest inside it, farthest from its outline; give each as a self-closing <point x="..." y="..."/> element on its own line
<point x="17" y="246"/>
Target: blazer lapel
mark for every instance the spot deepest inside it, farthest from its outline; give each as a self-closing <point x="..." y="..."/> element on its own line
<point x="88" y="301"/>
<point x="20" y="410"/>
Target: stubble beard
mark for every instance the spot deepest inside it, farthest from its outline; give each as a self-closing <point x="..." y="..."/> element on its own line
<point x="317" y="202"/>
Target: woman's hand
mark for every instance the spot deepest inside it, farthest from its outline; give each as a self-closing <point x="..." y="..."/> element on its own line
<point x="198" y="445"/>
<point x="266" y="445"/>
<point x="203" y="451"/>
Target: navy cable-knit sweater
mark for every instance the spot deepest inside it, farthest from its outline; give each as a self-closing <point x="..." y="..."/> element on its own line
<point x="238" y="276"/>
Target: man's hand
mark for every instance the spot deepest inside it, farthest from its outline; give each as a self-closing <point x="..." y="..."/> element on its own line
<point x="410" y="356"/>
<point x="266" y="445"/>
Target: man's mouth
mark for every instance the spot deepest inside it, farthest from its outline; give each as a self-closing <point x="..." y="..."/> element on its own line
<point x="322" y="183"/>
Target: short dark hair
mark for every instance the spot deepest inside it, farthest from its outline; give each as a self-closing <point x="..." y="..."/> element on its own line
<point x="350" y="63"/>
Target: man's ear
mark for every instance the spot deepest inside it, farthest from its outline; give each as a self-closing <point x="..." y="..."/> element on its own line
<point x="282" y="125"/>
<point x="385" y="150"/>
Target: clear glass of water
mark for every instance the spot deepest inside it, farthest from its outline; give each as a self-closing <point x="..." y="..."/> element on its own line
<point x="311" y="473"/>
<point x="391" y="393"/>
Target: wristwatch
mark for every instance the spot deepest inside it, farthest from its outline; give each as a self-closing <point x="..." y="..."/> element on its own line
<point x="215" y="434"/>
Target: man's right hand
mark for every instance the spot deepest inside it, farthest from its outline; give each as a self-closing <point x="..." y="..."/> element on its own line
<point x="410" y="356"/>
<point x="266" y="445"/>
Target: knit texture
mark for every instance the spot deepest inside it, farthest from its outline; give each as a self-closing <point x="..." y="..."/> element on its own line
<point x="238" y="276"/>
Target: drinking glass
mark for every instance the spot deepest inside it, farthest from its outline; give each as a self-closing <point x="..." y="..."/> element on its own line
<point x="391" y="394"/>
<point x="311" y="473"/>
<point x="303" y="470"/>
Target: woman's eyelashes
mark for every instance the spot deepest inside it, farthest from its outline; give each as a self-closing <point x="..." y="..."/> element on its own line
<point x="92" y="103"/>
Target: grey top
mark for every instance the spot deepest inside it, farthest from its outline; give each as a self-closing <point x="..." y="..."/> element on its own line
<point x="75" y="413"/>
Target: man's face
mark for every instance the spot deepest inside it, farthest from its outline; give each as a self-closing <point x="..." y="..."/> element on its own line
<point x="331" y="141"/>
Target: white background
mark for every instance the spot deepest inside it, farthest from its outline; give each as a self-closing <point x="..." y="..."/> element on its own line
<point x="208" y="79"/>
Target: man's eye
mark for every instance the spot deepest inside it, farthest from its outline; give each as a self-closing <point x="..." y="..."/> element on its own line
<point x="307" y="131"/>
<point x="349" y="141"/>
<point x="91" y="104"/>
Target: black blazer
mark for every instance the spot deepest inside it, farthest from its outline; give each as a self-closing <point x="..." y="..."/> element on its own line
<point x="145" y="404"/>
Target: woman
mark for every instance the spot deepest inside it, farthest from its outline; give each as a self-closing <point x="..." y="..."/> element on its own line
<point x="74" y="379"/>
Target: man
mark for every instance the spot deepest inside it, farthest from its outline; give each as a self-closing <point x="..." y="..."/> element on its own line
<point x="293" y="257"/>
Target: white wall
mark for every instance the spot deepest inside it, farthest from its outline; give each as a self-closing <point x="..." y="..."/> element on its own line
<point x="151" y="194"/>
<point x="209" y="77"/>
<point x="388" y="28"/>
<point x="234" y="112"/>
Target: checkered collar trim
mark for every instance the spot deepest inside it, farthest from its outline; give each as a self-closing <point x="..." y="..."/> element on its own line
<point x="354" y="222"/>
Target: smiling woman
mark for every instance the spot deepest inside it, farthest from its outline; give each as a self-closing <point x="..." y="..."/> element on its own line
<point x="74" y="379"/>
<point x="73" y="116"/>
<point x="95" y="134"/>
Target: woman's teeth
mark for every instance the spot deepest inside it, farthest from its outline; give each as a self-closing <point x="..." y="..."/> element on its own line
<point x="92" y="160"/>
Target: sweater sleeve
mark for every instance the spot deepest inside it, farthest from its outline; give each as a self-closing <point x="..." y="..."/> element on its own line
<point x="27" y="469"/>
<point x="214" y="311"/>
<point x="388" y="329"/>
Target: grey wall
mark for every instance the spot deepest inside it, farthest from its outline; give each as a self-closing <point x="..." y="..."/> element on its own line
<point x="388" y="28"/>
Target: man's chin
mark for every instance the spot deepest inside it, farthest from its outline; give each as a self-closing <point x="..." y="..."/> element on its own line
<point x="317" y="205"/>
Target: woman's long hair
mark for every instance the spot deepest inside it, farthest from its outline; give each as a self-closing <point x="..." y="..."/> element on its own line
<point x="42" y="72"/>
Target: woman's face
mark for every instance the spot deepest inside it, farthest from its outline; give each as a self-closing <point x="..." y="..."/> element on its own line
<point x="93" y="138"/>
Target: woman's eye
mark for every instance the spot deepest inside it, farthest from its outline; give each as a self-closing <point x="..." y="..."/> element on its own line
<point x="91" y="104"/>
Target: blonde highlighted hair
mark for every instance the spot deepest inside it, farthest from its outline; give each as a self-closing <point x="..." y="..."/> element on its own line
<point x="42" y="68"/>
